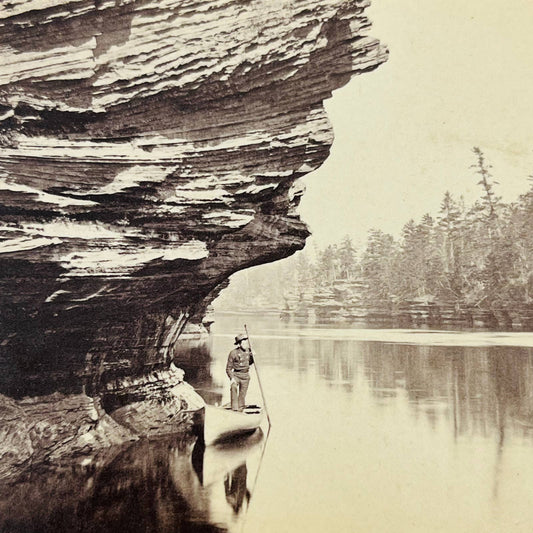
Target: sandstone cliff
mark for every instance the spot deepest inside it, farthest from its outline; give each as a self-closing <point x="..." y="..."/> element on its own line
<point x="149" y="149"/>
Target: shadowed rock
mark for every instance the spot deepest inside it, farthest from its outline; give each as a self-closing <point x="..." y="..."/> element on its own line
<point x="150" y="149"/>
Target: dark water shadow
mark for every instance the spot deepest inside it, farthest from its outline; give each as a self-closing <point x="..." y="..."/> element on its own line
<point x="164" y="485"/>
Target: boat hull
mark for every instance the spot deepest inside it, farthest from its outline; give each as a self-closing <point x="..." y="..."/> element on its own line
<point x="222" y="424"/>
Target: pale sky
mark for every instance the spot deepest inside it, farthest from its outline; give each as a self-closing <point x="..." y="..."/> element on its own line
<point x="459" y="75"/>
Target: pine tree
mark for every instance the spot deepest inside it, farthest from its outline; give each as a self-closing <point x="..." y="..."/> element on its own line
<point x="490" y="201"/>
<point x="305" y="274"/>
<point x="431" y="259"/>
<point x="450" y="236"/>
<point x="326" y="267"/>
<point x="347" y="259"/>
<point x="408" y="264"/>
<point x="377" y="268"/>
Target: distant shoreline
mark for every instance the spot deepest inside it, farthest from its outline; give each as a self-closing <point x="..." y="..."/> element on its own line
<point x="440" y="319"/>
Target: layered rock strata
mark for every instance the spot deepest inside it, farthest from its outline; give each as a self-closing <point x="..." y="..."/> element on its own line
<point x="150" y="149"/>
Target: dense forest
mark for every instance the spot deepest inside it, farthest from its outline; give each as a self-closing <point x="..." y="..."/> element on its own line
<point x="465" y="264"/>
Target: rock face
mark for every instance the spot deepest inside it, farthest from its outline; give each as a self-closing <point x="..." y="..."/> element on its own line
<point x="150" y="149"/>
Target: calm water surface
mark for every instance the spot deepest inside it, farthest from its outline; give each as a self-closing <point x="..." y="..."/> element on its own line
<point x="411" y="431"/>
<point x="373" y="436"/>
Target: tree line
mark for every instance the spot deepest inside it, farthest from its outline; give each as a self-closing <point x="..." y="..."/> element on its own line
<point x="478" y="256"/>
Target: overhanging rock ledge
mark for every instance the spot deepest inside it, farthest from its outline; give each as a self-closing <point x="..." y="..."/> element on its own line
<point x="149" y="149"/>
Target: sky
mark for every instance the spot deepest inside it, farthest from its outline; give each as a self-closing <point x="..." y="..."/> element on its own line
<point x="459" y="75"/>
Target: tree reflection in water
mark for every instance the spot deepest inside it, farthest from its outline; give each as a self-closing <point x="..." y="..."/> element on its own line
<point x="480" y="389"/>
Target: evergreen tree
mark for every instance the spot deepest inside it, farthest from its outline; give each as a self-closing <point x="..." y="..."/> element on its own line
<point x="377" y="268"/>
<point x="328" y="265"/>
<point x="347" y="259"/>
<point x="430" y="257"/>
<point x="408" y="263"/>
<point x="450" y="238"/>
<point x="490" y="201"/>
<point x="305" y="274"/>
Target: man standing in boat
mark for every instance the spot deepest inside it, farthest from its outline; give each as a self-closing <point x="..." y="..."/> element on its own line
<point x="238" y="371"/>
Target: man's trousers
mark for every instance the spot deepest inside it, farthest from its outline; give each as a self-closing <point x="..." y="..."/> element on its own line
<point x="238" y="390"/>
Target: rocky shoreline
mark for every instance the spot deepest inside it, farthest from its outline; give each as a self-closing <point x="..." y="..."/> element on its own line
<point x="56" y="428"/>
<point x="410" y="315"/>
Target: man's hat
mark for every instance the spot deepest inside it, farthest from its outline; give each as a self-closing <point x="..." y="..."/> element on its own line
<point x="240" y="338"/>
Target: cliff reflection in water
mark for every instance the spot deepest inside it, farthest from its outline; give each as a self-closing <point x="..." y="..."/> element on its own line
<point x="160" y="486"/>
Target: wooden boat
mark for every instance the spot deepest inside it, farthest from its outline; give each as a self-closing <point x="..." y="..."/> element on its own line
<point x="219" y="424"/>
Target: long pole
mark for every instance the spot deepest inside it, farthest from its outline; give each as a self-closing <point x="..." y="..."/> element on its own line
<point x="258" y="378"/>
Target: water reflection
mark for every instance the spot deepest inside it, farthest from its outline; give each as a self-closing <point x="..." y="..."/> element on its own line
<point x="236" y="488"/>
<point x="482" y="390"/>
<point x="393" y="436"/>
<point x="428" y="438"/>
<point x="152" y="486"/>
<point x="225" y="477"/>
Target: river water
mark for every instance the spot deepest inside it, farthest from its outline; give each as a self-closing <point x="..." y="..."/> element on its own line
<point x="372" y="431"/>
<point x="408" y="431"/>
